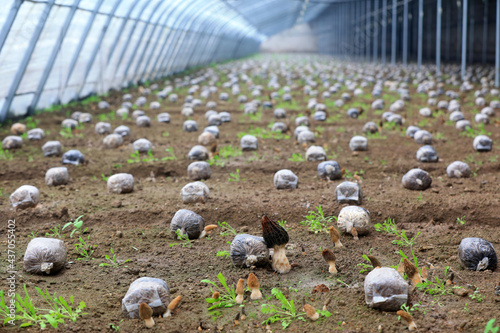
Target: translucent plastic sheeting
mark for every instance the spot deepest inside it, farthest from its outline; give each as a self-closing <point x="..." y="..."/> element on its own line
<point x="91" y="46"/>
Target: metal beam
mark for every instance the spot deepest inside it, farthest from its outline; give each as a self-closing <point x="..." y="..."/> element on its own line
<point x="9" y="21"/>
<point x="368" y="34"/>
<point x="82" y="41"/>
<point x="464" y="39"/>
<point x="384" y="31"/>
<point x="375" y="30"/>
<point x="136" y="46"/>
<point x="122" y="26"/>
<point x="485" y="31"/>
<point x="497" y="48"/>
<point x="25" y="60"/>
<point x="439" y="10"/>
<point x="405" y="32"/>
<point x="472" y="32"/>
<point x="420" y="33"/>
<point x="52" y="58"/>
<point x="97" y="46"/>
<point x="393" y="35"/>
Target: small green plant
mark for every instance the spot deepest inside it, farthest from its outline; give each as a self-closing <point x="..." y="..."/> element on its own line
<point x="364" y="266"/>
<point x="286" y="314"/>
<point x="316" y="221"/>
<point x="229" y="151"/>
<point x="419" y="197"/>
<point x="282" y="223"/>
<point x="55" y="232"/>
<point x="490" y="328"/>
<point x="436" y="287"/>
<point x="235" y="177"/>
<point x="165" y="134"/>
<point x="171" y="156"/>
<point x="115" y="327"/>
<point x="6" y="155"/>
<point x="77" y="226"/>
<point x="223" y="254"/>
<point x="185" y="241"/>
<point x="112" y="260"/>
<point x="135" y="157"/>
<point x="28" y="314"/>
<point x="66" y="132"/>
<point x="104" y="177"/>
<point x="357" y="174"/>
<point x="227" y="295"/>
<point x="84" y="249"/>
<point x="389" y="226"/>
<point x="33" y="235"/>
<point x="297" y="158"/>
<point x="476" y="296"/>
<point x="217" y="161"/>
<point x="226" y="229"/>
<point x="461" y="220"/>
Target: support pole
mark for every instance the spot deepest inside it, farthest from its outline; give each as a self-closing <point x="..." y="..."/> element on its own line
<point x="485" y="31"/>
<point x="439" y="12"/>
<point x="497" y="48"/>
<point x="375" y="30"/>
<point x="420" y="32"/>
<point x="405" y="32"/>
<point x="384" y="31"/>
<point x="9" y="21"/>
<point x="367" y="33"/>
<point x="393" y="35"/>
<point x="464" y="39"/>
<point x="25" y="61"/>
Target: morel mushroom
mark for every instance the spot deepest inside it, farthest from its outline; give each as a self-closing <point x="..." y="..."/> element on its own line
<point x="354" y="217"/>
<point x="248" y="250"/>
<point x="253" y="284"/>
<point x="172" y="306"/>
<point x="335" y="236"/>
<point x="385" y="289"/>
<point x="276" y="237"/>
<point x="146" y="314"/>
<point x="239" y="291"/>
<point x="417" y="180"/>
<point x="44" y="255"/>
<point x="151" y="291"/>
<point x="311" y="312"/>
<point x="409" y="319"/>
<point x="477" y="254"/>
<point x="330" y="260"/>
<point x="412" y="272"/>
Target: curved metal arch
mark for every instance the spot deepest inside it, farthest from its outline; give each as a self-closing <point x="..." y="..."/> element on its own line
<point x="131" y="59"/>
<point x="148" y="41"/>
<point x="163" y="25"/>
<point x="163" y="50"/>
<point x="169" y="58"/>
<point x="9" y="21"/>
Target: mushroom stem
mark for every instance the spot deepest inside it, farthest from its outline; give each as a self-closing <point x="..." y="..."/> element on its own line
<point x="149" y="322"/>
<point x="171" y="307"/>
<point x="311" y="312"/>
<point x="409" y="319"/>
<point x="401" y="268"/>
<point x="253" y="284"/>
<point x="280" y="262"/>
<point x="335" y="236"/>
<point x="325" y="306"/>
<point x="330" y="259"/>
<point x="146" y="314"/>
<point x="239" y="291"/>
<point x="424" y="273"/>
<point x="354" y="233"/>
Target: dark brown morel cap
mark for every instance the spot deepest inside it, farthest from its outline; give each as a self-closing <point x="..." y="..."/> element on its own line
<point x="273" y="233"/>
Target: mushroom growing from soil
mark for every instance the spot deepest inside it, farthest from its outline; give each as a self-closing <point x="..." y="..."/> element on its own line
<point x="253" y="284"/>
<point x="409" y="319"/>
<point x="412" y="272"/>
<point x="335" y="236"/>
<point x="311" y="312"/>
<point x="276" y="237"/>
<point x="146" y="314"/>
<point x="239" y="291"/>
<point x="172" y="306"/>
<point x="330" y="259"/>
<point x="375" y="262"/>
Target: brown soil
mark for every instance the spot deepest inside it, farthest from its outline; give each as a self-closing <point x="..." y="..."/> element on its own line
<point x="144" y="216"/>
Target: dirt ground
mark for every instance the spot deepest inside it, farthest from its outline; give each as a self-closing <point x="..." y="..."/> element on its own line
<point x="144" y="215"/>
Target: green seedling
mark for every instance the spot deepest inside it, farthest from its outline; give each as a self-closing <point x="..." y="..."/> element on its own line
<point x="6" y="155"/>
<point x="115" y="327"/>
<point x="77" y="226"/>
<point x="490" y="328"/>
<point x="55" y="232"/>
<point x="104" y="177"/>
<point x="297" y="158"/>
<point x="112" y="260"/>
<point x="56" y="311"/>
<point x="476" y="296"/>
<point x="316" y="221"/>
<point x="364" y="266"/>
<point x="33" y="235"/>
<point x="436" y="287"/>
<point x="84" y="249"/>
<point x="461" y="220"/>
<point x="389" y="226"/>
<point x="227" y="229"/>
<point x="171" y="156"/>
<point x="235" y="177"/>
<point x="223" y="254"/>
<point x="229" y="151"/>
<point x="185" y="241"/>
<point x="227" y="295"/>
<point x="217" y="161"/>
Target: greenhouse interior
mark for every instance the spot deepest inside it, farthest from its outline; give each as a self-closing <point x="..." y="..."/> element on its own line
<point x="250" y="165"/>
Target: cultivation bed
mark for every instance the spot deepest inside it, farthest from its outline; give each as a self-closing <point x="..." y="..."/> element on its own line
<point x="143" y="216"/>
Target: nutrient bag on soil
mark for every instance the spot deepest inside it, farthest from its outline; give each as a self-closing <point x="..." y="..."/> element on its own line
<point x="44" y="256"/>
<point x="248" y="250"/>
<point x="385" y="289"/>
<point x="154" y="292"/>
<point x="477" y="254"/>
